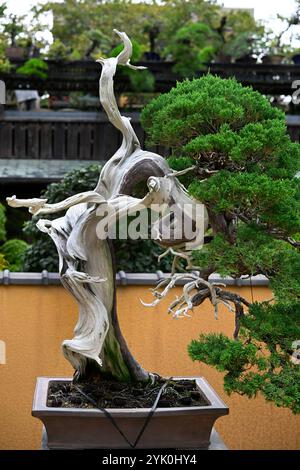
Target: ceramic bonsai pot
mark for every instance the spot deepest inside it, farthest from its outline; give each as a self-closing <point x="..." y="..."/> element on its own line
<point x="246" y="59"/>
<point x="15" y="52"/>
<point x="79" y="428"/>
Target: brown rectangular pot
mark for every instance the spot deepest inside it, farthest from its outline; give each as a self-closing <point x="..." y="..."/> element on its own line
<point x="77" y="428"/>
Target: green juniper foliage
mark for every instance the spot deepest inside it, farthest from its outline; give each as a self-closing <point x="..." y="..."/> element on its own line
<point x="245" y="168"/>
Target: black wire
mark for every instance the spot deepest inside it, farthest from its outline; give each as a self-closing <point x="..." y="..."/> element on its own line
<point x="111" y="418"/>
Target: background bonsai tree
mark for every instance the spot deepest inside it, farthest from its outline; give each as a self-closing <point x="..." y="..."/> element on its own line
<point x="153" y="24"/>
<point x="193" y="45"/>
<point x="243" y="168"/>
<point x="34" y="68"/>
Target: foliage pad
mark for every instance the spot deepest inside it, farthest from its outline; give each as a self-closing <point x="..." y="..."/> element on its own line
<point x="244" y="172"/>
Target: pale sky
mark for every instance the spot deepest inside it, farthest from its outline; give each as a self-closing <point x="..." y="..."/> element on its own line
<point x="263" y="9"/>
<point x="267" y="10"/>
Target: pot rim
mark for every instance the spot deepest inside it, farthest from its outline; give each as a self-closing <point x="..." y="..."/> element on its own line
<point x="40" y="408"/>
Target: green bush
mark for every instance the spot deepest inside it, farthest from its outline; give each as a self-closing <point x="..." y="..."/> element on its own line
<point x="3" y="262"/>
<point x="142" y="81"/>
<point x="34" y="68"/>
<point x="58" y="51"/>
<point x="2" y="223"/>
<point x="193" y="45"/>
<point x="244" y="171"/>
<point x="11" y="251"/>
<point x="5" y="64"/>
<point x="131" y="255"/>
<point x="14" y="251"/>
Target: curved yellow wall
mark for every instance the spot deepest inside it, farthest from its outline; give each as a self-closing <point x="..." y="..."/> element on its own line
<point x="34" y="320"/>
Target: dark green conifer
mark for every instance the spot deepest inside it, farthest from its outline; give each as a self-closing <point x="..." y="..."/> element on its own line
<point x="245" y="168"/>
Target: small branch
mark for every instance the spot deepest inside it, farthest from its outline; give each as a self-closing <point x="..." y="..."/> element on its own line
<point x="182" y="172"/>
<point x="292" y="242"/>
<point x="39" y="206"/>
<point x="182" y="305"/>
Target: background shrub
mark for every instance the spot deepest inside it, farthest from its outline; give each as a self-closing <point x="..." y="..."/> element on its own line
<point x="14" y="251"/>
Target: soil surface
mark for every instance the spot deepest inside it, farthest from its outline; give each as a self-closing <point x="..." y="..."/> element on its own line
<point x="112" y="394"/>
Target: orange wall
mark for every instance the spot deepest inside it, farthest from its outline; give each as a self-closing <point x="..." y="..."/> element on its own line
<point x="34" y="320"/>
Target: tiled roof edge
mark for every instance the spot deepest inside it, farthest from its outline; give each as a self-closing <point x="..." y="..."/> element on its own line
<point x="46" y="278"/>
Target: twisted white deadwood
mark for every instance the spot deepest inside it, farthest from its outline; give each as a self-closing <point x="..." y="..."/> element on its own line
<point x="184" y="304"/>
<point x="86" y="262"/>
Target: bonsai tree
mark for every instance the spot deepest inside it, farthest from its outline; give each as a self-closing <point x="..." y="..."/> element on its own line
<point x="34" y="68"/>
<point x="240" y="35"/>
<point x="193" y="45"/>
<point x="13" y="28"/>
<point x="242" y="166"/>
<point x="240" y="47"/>
<point x="97" y="39"/>
<point x="86" y="258"/>
<point x="274" y="46"/>
<point x="239" y="163"/>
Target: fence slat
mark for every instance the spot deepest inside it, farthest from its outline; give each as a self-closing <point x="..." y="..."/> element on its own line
<point x="20" y="139"/>
<point x="294" y="132"/>
<point x="98" y="140"/>
<point x="59" y="148"/>
<point x="6" y="149"/>
<point x="72" y="141"/>
<point x="139" y="132"/>
<point x="110" y="142"/>
<point x="85" y="144"/>
<point x="33" y="141"/>
<point x="46" y="140"/>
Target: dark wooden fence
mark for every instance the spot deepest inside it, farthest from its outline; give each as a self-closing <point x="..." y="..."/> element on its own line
<point x="73" y="135"/>
<point x="62" y="135"/>
<point x="293" y="124"/>
<point x="88" y="135"/>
